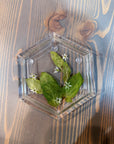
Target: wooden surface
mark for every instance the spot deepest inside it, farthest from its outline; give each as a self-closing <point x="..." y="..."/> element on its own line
<point x="22" y="24"/>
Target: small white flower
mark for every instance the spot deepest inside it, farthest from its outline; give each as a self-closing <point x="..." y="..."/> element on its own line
<point x="67" y="85"/>
<point x="56" y="70"/>
<point x="58" y="100"/>
<point x="34" y="76"/>
<point x="65" y="57"/>
<point x="34" y="91"/>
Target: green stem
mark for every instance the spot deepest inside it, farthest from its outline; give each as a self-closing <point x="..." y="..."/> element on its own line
<point x="61" y="77"/>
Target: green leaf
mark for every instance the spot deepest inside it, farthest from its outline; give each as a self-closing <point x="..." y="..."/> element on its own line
<point x="51" y="90"/>
<point x="64" y="67"/>
<point x="75" y="81"/>
<point x="34" y="84"/>
<point x="58" y="61"/>
<point x="66" y="71"/>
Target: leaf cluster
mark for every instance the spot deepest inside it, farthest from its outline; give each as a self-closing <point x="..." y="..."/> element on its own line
<point x="48" y="86"/>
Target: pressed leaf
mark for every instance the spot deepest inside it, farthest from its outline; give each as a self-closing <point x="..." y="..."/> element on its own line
<point x="51" y="90"/>
<point x="66" y="71"/>
<point x="75" y="81"/>
<point x="58" y="61"/>
<point x="64" y="67"/>
<point x="34" y="84"/>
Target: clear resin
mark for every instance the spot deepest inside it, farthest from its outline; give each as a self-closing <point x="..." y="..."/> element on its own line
<point x="37" y="59"/>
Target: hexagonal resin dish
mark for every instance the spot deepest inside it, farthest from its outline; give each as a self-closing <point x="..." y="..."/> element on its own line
<point x="37" y="59"/>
